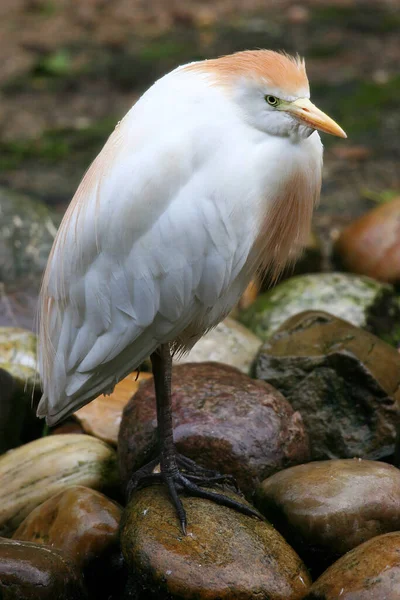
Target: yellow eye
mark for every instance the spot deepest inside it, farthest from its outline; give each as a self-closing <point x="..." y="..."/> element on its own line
<point x="272" y="100"/>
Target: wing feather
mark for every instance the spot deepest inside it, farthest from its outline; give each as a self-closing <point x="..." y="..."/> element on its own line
<point x="145" y="252"/>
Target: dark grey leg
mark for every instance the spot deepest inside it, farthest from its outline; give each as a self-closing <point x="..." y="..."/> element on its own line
<point x="178" y="472"/>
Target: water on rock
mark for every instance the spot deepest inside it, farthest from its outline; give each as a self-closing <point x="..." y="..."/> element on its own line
<point x="326" y="508"/>
<point x="223" y="420"/>
<point x="225" y="554"/>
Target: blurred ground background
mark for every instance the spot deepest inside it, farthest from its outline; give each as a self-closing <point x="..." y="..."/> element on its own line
<point x="70" y="69"/>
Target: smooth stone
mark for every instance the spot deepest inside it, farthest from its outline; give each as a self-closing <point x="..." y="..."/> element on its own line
<point x="229" y="342"/>
<point x="369" y="572"/>
<point x="102" y="417"/>
<point x="343" y="380"/>
<point x="18" y="356"/>
<point x="371" y="244"/>
<point x="84" y="525"/>
<point x="27" y="231"/>
<point x="19" y="381"/>
<point x="222" y="419"/>
<point x="362" y="301"/>
<point x="32" y="572"/>
<point x="34" y="472"/>
<point x="67" y="426"/>
<point x="225" y="554"/>
<point x="326" y="508"/>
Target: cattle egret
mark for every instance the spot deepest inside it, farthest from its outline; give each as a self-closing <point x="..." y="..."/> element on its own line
<point x="210" y="177"/>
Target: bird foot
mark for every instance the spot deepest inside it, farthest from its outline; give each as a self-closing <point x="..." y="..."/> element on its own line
<point x="187" y="477"/>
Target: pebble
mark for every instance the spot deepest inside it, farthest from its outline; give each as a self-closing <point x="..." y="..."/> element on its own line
<point x="83" y="524"/>
<point x="326" y="508"/>
<point x="229" y="342"/>
<point x="225" y="554"/>
<point x="223" y="420"/>
<point x="102" y="417"/>
<point x="36" y="471"/>
<point x="371" y="244"/>
<point x="33" y="572"/>
<point x="369" y="572"/>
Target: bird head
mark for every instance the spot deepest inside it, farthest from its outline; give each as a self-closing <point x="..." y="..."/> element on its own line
<point x="271" y="89"/>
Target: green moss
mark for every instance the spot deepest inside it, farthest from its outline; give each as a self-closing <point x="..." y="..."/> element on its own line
<point x="374" y="19"/>
<point x="359" y="106"/>
<point x="55" y="64"/>
<point x="56" y="144"/>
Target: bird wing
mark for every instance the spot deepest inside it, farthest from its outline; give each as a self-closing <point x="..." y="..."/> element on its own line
<point x="146" y="248"/>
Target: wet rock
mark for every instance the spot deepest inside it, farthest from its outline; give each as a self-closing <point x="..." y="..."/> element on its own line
<point x="344" y="381"/>
<point x="359" y="300"/>
<point x="34" y="472"/>
<point x="326" y="508"/>
<point x="102" y="417"/>
<point x="369" y="572"/>
<point x="18" y="381"/>
<point x="27" y="232"/>
<point x="230" y="343"/>
<point x="83" y="524"/>
<point x="32" y="572"/>
<point x="371" y="244"/>
<point x="223" y="419"/>
<point x="67" y="426"/>
<point x="225" y="554"/>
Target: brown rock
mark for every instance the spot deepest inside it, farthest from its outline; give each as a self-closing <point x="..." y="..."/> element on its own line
<point x="80" y="521"/>
<point x="326" y="508"/>
<point x="371" y="244"/>
<point x="83" y="524"/>
<point x="223" y="419"/>
<point x="342" y="379"/>
<point x="369" y="572"/>
<point x="102" y="417"/>
<point x="348" y="152"/>
<point x="67" y="426"/>
<point x="33" y="572"/>
<point x="225" y="554"/>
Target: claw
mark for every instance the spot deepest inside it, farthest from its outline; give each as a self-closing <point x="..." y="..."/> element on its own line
<point x="189" y="480"/>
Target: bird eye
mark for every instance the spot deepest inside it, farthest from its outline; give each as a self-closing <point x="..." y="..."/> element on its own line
<point x="272" y="100"/>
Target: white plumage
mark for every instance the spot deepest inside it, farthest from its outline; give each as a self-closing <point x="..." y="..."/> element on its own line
<point x="199" y="184"/>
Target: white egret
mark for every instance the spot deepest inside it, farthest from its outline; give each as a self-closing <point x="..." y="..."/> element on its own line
<point x="212" y="175"/>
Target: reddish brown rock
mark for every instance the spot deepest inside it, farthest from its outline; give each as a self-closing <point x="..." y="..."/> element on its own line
<point x="67" y="426"/>
<point x="369" y="572"/>
<point x="223" y="419"/>
<point x="83" y="524"/>
<point x="371" y="244"/>
<point x="225" y="555"/>
<point x="32" y="572"/>
<point x="102" y="417"/>
<point x="326" y="508"/>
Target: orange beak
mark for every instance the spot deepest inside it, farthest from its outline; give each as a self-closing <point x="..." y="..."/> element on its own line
<point x="309" y="114"/>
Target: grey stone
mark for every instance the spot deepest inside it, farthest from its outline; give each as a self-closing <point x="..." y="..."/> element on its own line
<point x="229" y="342"/>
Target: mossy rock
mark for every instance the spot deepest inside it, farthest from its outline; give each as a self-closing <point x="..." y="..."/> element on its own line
<point x="359" y="300"/>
